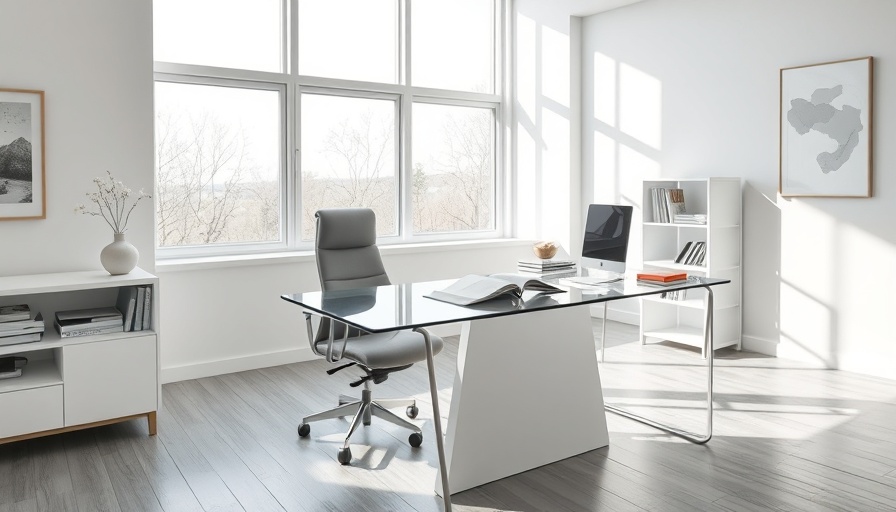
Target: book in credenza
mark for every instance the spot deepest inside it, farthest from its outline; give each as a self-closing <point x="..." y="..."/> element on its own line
<point x="135" y="305"/>
<point x="26" y="326"/>
<point x="473" y="288"/>
<point x="127" y="303"/>
<point x="85" y="322"/>
<point x="137" y="325"/>
<point x="147" y="308"/>
<point x="14" y="313"/>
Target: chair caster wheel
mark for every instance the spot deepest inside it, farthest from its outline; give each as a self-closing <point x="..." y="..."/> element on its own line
<point x="412" y="411"/>
<point x="344" y="456"/>
<point x="416" y="439"/>
<point x="304" y="429"/>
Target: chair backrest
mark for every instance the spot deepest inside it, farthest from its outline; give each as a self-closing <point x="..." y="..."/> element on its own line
<point x="347" y="256"/>
<point x="345" y="248"/>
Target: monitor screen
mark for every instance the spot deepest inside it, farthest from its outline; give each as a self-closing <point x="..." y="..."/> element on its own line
<point x="606" y="237"/>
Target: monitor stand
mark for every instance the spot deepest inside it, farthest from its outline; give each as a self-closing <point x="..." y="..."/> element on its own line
<point x="596" y="277"/>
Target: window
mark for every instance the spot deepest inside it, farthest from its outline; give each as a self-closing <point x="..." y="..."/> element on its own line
<point x="454" y="168"/>
<point x="348" y="158"/>
<point x="268" y="110"/>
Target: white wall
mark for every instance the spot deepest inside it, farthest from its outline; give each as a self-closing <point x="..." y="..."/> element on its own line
<point x="689" y="88"/>
<point x="93" y="60"/>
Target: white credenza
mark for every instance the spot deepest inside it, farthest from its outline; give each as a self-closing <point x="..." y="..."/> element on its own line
<point x="74" y="383"/>
<point x="681" y="320"/>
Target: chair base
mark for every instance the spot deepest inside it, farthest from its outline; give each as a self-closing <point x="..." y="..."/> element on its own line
<point x="364" y="409"/>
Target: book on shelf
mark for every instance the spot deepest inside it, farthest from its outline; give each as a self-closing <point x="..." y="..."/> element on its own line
<point x="9" y="329"/>
<point x="684" y="252"/>
<point x="658" y="203"/>
<point x="690" y="218"/>
<point x="67" y="326"/>
<point x="677" y="295"/>
<point x="89" y="315"/>
<point x="127" y="303"/>
<point x="147" y="308"/>
<point x="473" y="288"/>
<point x="89" y="321"/>
<point x="90" y="331"/>
<point x="676" y="202"/>
<point x="137" y="325"/>
<point x="694" y="255"/>
<point x="14" y="313"/>
<point x="12" y="363"/>
<point x="11" y="374"/>
<point x="662" y="276"/>
<point x="20" y="338"/>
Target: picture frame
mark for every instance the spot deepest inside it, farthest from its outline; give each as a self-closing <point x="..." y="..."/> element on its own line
<point x="826" y="129"/>
<point x="22" y="170"/>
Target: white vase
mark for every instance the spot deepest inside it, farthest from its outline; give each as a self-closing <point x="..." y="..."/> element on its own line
<point x="119" y="257"/>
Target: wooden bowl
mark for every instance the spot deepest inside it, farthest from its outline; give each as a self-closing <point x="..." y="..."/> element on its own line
<point x="544" y="250"/>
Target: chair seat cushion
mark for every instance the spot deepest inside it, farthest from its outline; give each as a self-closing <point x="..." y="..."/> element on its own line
<point x="385" y="350"/>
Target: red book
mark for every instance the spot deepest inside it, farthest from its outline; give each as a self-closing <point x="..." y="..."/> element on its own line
<point x="662" y="276"/>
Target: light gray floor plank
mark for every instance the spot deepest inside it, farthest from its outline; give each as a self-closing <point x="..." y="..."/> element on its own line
<point x="787" y="437"/>
<point x="90" y="481"/>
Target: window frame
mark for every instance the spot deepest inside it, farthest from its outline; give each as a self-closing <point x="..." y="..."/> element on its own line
<point x="291" y="85"/>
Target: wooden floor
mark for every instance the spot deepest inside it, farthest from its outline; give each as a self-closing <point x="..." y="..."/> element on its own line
<point x="787" y="437"/>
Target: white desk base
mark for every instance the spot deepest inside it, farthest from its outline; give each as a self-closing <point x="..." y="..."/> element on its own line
<point x="526" y="393"/>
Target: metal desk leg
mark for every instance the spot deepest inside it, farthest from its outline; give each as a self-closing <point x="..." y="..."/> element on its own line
<point x="437" y="418"/>
<point x="708" y="350"/>
<point x="603" y="334"/>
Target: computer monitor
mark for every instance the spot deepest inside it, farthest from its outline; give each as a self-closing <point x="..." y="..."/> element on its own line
<point x="606" y="237"/>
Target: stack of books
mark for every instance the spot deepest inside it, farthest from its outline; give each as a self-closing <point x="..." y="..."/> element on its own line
<point x="693" y="253"/>
<point x="88" y="322"/>
<point x="135" y="304"/>
<point x="690" y="218"/>
<point x="550" y="269"/>
<point x="661" y="277"/>
<point x="11" y="367"/>
<point x="18" y="326"/>
<point x="667" y="204"/>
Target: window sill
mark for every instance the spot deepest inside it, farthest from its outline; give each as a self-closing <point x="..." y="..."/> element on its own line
<point x="289" y="257"/>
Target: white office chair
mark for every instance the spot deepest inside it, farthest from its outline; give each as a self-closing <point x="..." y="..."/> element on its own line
<point x="347" y="258"/>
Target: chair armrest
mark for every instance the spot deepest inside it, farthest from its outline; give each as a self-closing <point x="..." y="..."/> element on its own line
<point x="331" y="353"/>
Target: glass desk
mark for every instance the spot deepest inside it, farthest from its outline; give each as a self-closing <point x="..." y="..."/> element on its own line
<point x="527" y="388"/>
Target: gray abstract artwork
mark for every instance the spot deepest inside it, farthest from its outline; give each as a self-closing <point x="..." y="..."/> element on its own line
<point x="841" y="125"/>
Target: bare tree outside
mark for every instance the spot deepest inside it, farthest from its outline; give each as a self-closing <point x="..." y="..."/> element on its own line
<point x="352" y="164"/>
<point x="208" y="189"/>
<point x="454" y="179"/>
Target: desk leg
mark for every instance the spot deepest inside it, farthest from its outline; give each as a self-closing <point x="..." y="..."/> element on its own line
<point x="708" y="350"/>
<point x="437" y="418"/>
<point x="526" y="393"/>
<point x="603" y="334"/>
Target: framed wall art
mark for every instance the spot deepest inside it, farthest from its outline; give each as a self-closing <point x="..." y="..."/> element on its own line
<point x="22" y="175"/>
<point x="825" y="129"/>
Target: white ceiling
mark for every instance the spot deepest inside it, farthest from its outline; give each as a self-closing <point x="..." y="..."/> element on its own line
<point x="588" y="7"/>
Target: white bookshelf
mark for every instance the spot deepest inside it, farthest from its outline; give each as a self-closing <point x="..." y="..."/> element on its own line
<point x="74" y="383"/>
<point x="681" y="321"/>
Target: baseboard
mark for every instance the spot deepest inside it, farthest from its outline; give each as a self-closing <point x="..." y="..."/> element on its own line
<point x="759" y="345"/>
<point x="617" y="315"/>
<point x="236" y="364"/>
<point x="256" y="361"/>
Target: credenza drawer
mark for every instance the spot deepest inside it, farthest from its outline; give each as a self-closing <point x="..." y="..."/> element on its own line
<point x="30" y="410"/>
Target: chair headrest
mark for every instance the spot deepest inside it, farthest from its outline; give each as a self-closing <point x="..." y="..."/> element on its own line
<point x="345" y="228"/>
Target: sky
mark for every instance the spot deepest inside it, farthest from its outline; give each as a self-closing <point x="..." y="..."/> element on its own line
<point x="15" y="121"/>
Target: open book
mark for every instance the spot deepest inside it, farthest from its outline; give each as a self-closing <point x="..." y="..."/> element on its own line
<point x="475" y="288"/>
